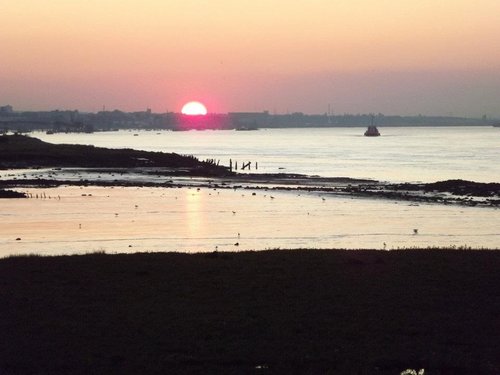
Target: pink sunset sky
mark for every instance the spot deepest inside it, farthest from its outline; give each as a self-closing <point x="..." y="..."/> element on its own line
<point x="430" y="57"/>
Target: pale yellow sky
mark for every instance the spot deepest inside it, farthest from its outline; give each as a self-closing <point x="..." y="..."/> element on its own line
<point x="249" y="55"/>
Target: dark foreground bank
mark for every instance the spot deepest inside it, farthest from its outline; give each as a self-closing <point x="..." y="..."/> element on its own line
<point x="272" y="312"/>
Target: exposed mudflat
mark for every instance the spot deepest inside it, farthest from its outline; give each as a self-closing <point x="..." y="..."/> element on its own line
<point x="459" y="192"/>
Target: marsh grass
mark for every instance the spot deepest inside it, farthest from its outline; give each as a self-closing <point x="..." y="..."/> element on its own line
<point x="270" y="312"/>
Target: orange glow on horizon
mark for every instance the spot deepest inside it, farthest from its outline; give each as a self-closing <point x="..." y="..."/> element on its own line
<point x="406" y="57"/>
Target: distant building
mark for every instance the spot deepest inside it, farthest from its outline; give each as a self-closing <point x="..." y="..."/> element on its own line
<point x="6" y="109"/>
<point x="249" y="119"/>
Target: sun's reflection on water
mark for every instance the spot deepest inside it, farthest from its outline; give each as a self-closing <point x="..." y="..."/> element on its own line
<point x="194" y="204"/>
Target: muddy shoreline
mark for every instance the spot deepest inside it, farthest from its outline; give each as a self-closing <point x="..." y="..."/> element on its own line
<point x="459" y="192"/>
<point x="47" y="165"/>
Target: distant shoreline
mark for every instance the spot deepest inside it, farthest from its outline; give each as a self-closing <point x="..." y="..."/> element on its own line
<point x="88" y="122"/>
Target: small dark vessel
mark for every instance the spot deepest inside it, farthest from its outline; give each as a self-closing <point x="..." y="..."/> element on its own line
<point x="246" y="128"/>
<point x="372" y="131"/>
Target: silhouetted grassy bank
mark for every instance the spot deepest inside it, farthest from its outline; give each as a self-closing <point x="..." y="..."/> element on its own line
<point x="19" y="151"/>
<point x="302" y="311"/>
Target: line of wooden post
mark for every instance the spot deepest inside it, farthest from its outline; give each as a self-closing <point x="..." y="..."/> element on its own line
<point x="41" y="196"/>
<point x="245" y="165"/>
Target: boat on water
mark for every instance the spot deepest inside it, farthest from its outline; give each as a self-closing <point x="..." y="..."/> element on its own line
<point x="246" y="128"/>
<point x="372" y="131"/>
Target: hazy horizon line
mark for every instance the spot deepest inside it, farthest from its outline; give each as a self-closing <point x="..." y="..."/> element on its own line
<point x="271" y="113"/>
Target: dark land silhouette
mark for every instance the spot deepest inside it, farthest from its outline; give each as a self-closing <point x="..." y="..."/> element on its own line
<point x="19" y="151"/>
<point x="271" y="312"/>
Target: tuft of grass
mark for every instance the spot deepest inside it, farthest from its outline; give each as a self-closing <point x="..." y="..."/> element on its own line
<point x="28" y="255"/>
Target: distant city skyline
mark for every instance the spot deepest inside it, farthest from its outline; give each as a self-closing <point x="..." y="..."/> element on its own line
<point x="368" y="56"/>
<point x="8" y="110"/>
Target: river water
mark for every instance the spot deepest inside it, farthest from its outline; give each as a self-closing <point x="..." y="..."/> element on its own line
<point x="401" y="154"/>
<point x="70" y="220"/>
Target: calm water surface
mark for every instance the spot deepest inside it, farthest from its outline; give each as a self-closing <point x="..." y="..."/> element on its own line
<point x="79" y="220"/>
<point x="404" y="154"/>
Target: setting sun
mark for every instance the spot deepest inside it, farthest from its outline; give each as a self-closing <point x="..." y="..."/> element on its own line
<point x="194" y="109"/>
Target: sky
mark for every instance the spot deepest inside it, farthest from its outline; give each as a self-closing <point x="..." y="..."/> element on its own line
<point x="405" y="57"/>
